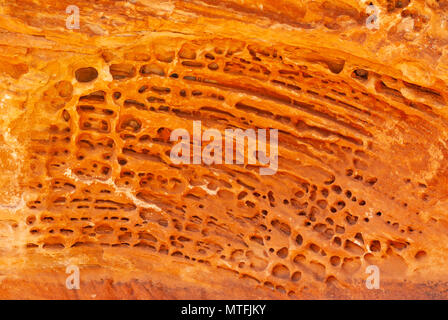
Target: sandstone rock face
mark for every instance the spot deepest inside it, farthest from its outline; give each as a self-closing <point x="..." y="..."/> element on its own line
<point x="86" y="177"/>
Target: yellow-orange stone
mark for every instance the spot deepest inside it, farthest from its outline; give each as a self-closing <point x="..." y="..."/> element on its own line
<point x="86" y="178"/>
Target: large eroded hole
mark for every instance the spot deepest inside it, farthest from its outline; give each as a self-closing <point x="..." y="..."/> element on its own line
<point x="86" y="74"/>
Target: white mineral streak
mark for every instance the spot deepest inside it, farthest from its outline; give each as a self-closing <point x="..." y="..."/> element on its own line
<point x="126" y="191"/>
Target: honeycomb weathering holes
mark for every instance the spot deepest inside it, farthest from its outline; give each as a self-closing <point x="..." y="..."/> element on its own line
<point x="115" y="186"/>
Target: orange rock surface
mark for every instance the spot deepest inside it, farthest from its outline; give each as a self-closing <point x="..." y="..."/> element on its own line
<point x="86" y="178"/>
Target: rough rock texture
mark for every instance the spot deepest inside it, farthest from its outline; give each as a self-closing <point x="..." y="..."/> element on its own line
<point x="86" y="180"/>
